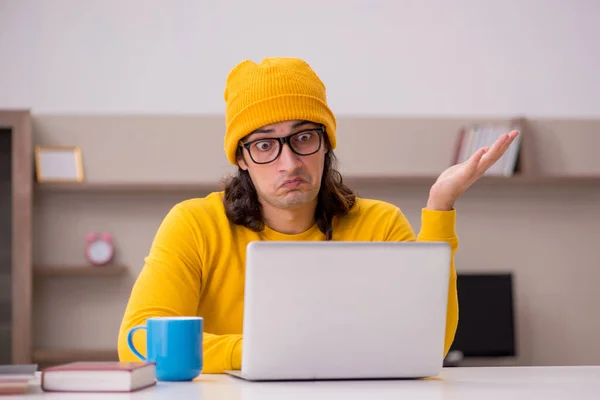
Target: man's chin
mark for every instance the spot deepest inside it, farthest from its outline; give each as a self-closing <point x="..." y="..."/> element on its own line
<point x="295" y="198"/>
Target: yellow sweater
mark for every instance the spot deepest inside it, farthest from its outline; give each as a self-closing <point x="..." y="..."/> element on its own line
<point x="196" y="267"/>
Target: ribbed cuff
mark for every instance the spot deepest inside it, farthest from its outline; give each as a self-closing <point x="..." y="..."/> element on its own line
<point x="437" y="225"/>
<point x="236" y="355"/>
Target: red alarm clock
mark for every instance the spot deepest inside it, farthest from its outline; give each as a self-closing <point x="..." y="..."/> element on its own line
<point x="99" y="248"/>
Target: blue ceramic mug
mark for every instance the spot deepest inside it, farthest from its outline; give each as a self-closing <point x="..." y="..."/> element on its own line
<point x="174" y="344"/>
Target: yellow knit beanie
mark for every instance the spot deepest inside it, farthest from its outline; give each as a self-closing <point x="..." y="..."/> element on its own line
<point x="276" y="90"/>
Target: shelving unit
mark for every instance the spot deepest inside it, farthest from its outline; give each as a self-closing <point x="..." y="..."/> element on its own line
<point x="79" y="270"/>
<point x="48" y="357"/>
<point x="132" y="191"/>
<point x="158" y="187"/>
<point x="45" y="357"/>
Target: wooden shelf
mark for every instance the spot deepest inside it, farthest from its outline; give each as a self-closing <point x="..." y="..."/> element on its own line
<point x="124" y="187"/>
<point x="55" y="356"/>
<point x="112" y="187"/>
<point x="80" y="270"/>
<point x="516" y="180"/>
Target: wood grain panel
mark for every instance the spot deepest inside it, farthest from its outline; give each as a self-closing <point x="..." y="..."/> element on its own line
<point x="19" y="122"/>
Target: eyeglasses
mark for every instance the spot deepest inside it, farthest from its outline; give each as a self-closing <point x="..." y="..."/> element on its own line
<point x="303" y="143"/>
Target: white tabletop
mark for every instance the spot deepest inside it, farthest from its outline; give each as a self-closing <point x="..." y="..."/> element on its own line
<point x="453" y="383"/>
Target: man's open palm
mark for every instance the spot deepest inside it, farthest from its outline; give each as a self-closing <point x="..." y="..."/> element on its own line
<point x="458" y="178"/>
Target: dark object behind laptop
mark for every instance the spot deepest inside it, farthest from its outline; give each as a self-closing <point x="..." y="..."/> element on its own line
<point x="486" y="317"/>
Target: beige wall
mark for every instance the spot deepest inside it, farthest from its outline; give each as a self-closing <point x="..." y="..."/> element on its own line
<point x="545" y="231"/>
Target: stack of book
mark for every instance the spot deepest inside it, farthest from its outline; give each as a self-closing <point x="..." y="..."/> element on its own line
<point x="14" y="378"/>
<point x="94" y="376"/>
<point x="474" y="137"/>
<point x="99" y="376"/>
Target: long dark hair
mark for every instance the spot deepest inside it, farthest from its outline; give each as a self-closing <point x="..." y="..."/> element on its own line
<point x="335" y="198"/>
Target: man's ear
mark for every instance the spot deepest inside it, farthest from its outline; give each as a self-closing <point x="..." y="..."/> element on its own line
<point x="241" y="162"/>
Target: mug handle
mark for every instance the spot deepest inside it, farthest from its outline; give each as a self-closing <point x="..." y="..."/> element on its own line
<point x="130" y="342"/>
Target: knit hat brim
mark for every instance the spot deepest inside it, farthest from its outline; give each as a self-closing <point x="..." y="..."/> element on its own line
<point x="285" y="107"/>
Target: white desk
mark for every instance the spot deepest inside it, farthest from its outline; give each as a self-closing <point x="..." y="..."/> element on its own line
<point x="572" y="383"/>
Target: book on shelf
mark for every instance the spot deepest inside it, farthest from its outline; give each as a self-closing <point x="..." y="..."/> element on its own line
<point x="98" y="376"/>
<point x="472" y="138"/>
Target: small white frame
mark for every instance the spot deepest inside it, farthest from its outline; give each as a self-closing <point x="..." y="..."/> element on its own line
<point x="58" y="164"/>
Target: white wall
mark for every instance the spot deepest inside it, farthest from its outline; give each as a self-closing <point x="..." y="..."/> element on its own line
<point x="468" y="57"/>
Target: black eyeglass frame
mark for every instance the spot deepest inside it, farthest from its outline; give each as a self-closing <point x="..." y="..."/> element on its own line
<point x="282" y="141"/>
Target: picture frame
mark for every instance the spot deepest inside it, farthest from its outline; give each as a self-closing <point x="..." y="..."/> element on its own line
<point x="58" y="164"/>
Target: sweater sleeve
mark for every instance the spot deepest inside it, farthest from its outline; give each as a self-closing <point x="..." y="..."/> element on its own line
<point x="169" y="285"/>
<point x="436" y="226"/>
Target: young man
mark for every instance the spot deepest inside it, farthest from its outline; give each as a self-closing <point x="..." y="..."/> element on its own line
<point x="281" y="134"/>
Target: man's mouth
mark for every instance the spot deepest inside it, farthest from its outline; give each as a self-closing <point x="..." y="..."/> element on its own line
<point x="292" y="183"/>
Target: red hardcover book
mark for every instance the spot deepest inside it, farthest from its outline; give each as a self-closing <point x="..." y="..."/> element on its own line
<point x="99" y="376"/>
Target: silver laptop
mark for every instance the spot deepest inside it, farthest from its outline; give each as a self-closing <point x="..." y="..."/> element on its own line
<point x="344" y="310"/>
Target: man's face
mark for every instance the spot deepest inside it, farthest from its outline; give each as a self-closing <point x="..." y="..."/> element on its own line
<point x="291" y="179"/>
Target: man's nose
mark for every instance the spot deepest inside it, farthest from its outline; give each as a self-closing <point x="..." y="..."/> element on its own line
<point x="288" y="160"/>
